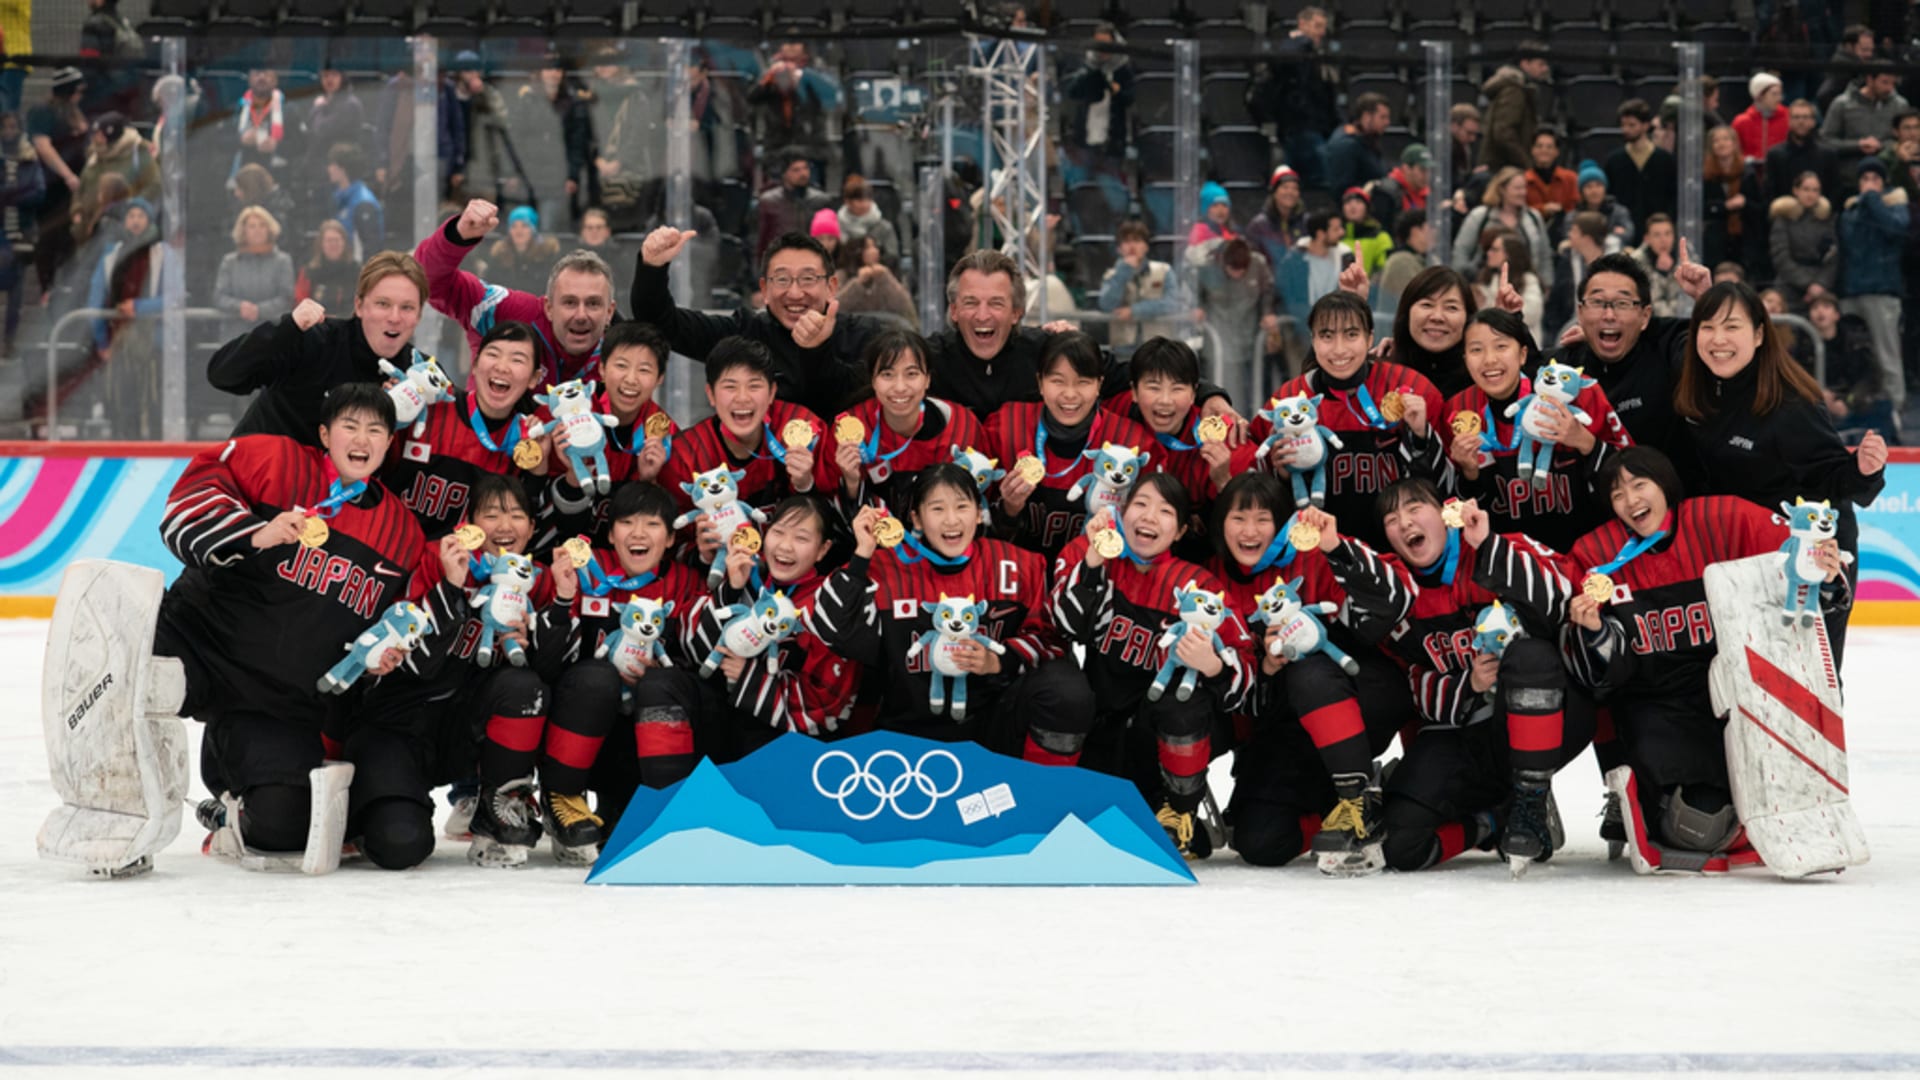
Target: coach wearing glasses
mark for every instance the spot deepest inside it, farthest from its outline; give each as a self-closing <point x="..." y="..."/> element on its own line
<point x="816" y="350"/>
<point x="1635" y="355"/>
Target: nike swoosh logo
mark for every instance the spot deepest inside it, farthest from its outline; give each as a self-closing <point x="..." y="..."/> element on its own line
<point x="384" y="569"/>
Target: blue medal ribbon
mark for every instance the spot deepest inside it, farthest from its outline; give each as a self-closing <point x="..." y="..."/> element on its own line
<point x="600" y="583"/>
<point x="479" y="426"/>
<point x="1367" y="407"/>
<point x="1633" y="550"/>
<point x="779" y="449"/>
<point x="870" y="449"/>
<point x="338" y="495"/>
<point x="1127" y="552"/>
<point x="1040" y="443"/>
<point x="1450" y="562"/>
<point x="1172" y="443"/>
<point x="1279" y="553"/>
<point x="917" y="551"/>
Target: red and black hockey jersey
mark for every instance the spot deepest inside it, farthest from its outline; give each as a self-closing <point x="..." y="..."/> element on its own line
<point x="1050" y="519"/>
<point x="560" y="508"/>
<point x="703" y="447"/>
<point x="433" y="471"/>
<point x="267" y="623"/>
<point x="1119" y="611"/>
<point x="1434" y="636"/>
<point x="1656" y="636"/>
<point x="870" y="612"/>
<point x="1372" y="457"/>
<point x="802" y="685"/>
<point x="595" y="618"/>
<point x="1180" y="455"/>
<point x="1556" y="515"/>
<point x="895" y="462"/>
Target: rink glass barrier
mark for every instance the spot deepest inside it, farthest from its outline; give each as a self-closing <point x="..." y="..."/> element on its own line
<point x="75" y="500"/>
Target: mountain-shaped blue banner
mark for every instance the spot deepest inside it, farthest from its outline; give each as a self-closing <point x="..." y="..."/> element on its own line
<point x="888" y="809"/>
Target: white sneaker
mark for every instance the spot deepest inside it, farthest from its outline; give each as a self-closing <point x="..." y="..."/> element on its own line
<point x="459" y="824"/>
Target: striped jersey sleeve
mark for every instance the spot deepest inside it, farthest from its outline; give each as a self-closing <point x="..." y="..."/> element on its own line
<point x="209" y="518"/>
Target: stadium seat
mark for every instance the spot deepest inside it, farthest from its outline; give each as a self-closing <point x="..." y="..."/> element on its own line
<point x="1590" y="38"/>
<point x="1641" y="11"/>
<point x="1093" y="256"/>
<point x="1392" y="142"/>
<point x="874" y="13"/>
<point x="1734" y="98"/>
<point x="1486" y="12"/>
<point x="247" y="14"/>
<point x="1436" y="30"/>
<point x="323" y="15"/>
<point x="1652" y="89"/>
<point x="455" y="17"/>
<point x="1240" y="154"/>
<point x="943" y="11"/>
<point x="592" y="17"/>
<point x="1374" y="48"/>
<point x="1593" y="101"/>
<point x="1153" y="99"/>
<point x="1155" y="149"/>
<point x="1248" y="200"/>
<point x="1091" y="211"/>
<point x="733" y="14"/>
<point x="1646" y="47"/>
<point x="533" y="16"/>
<point x="1355" y="11"/>
<point x="1223" y="99"/>
<point x="1229" y="16"/>
<point x="174" y="18"/>
<point x="1497" y="42"/>
<point x="1596" y="144"/>
<point x="1697" y="12"/>
<point x="1728" y="44"/>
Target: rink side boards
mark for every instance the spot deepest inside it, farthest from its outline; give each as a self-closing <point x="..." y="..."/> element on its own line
<point x="67" y="500"/>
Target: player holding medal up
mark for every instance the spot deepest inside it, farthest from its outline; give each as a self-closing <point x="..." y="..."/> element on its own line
<point x="881" y="444"/>
<point x="480" y="432"/>
<point x="873" y="610"/>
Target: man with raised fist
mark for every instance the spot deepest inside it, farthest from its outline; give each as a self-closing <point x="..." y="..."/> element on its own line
<point x="570" y="319"/>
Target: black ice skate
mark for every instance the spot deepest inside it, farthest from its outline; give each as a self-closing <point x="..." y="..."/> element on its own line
<point x="1349" y="843"/>
<point x="1533" y="831"/>
<point x="1613" y="828"/>
<point x="572" y="829"/>
<point x="506" y="825"/>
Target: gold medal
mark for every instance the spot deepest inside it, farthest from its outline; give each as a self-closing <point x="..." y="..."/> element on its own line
<point x="1452" y="515"/>
<point x="470" y="536"/>
<point x="798" y="434"/>
<point x="888" y="532"/>
<point x="1109" y="543"/>
<point x="849" y="431"/>
<point x="527" y="454"/>
<point x="1598" y="587"/>
<point x="745" y="538"/>
<point x="315" y="532"/>
<point x="1303" y="537"/>
<point x="1029" y="469"/>
<point x="1212" y="429"/>
<point x="1466" y="422"/>
<point x="1393" y="406"/>
<point x="578" y="550"/>
<point x="658" y="425"/>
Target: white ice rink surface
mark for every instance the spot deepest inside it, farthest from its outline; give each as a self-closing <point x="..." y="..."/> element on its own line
<point x="201" y="969"/>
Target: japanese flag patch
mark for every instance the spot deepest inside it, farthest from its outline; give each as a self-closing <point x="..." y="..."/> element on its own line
<point x="417" y="451"/>
<point x="591" y="606"/>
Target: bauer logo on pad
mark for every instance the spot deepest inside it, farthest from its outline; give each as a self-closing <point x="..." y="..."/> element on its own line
<point x="888" y="809"/>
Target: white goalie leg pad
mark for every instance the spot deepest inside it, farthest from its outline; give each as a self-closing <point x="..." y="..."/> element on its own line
<point x="116" y="750"/>
<point x="326" y="828"/>
<point x="1786" y="741"/>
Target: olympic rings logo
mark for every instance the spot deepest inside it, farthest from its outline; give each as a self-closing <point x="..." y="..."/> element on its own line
<point x="863" y="782"/>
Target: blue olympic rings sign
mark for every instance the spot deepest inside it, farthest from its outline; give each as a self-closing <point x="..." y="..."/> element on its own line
<point x="887" y="780"/>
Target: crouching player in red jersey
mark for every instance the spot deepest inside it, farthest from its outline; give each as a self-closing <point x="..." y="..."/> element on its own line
<point x="1302" y="774"/>
<point x="1648" y="645"/>
<point x="875" y="609"/>
<point x="592" y="694"/>
<point x="277" y="535"/>
<point x="1487" y="678"/>
<point x="1166" y="655"/>
<point x="800" y="685"/>
<point x="445" y="711"/>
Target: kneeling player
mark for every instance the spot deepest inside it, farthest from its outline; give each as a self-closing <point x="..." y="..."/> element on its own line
<point x="275" y="536"/>
<point x="1118" y="589"/>
<point x="1649" y="646"/>
<point x="593" y="693"/>
<point x="876" y="609"/>
<point x="800" y="685"/>
<point x="1304" y="771"/>
<point x="425" y="724"/>
<point x="1486" y="677"/>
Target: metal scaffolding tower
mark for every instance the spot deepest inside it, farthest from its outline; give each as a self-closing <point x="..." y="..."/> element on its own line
<point x="1014" y="119"/>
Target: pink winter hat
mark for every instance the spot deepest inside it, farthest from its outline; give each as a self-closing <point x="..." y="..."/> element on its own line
<point x="825" y="223"/>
